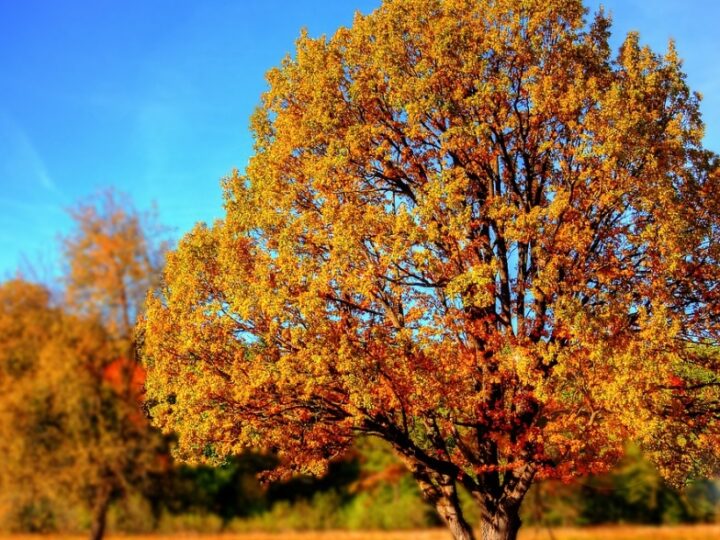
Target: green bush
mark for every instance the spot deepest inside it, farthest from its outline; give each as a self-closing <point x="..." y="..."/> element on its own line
<point x="396" y="506"/>
<point x="189" y="523"/>
<point x="322" y="511"/>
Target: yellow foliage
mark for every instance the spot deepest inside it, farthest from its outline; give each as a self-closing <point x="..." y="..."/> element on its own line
<point x="466" y="229"/>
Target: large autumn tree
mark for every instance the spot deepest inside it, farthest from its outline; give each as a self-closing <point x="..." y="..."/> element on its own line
<point x="469" y="229"/>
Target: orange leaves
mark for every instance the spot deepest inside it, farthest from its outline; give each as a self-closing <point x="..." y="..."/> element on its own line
<point x="122" y="372"/>
<point x="113" y="259"/>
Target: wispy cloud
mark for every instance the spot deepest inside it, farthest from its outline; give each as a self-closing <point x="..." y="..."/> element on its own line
<point x="20" y="161"/>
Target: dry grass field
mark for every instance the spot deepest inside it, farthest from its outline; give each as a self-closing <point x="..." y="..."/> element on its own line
<point x="704" y="532"/>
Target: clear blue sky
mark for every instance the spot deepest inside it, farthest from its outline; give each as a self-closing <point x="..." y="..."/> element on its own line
<point x="154" y="97"/>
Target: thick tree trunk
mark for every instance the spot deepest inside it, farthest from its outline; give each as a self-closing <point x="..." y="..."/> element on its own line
<point x="499" y="500"/>
<point x="501" y="516"/>
<point x="500" y="525"/>
<point x="99" y="517"/>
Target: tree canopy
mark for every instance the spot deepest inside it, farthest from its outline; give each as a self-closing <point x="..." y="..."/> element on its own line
<point x="470" y="229"/>
<point x="112" y="257"/>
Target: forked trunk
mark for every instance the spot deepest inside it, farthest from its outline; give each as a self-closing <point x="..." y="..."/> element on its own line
<point x="503" y="524"/>
<point x="500" y="503"/>
<point x="440" y="491"/>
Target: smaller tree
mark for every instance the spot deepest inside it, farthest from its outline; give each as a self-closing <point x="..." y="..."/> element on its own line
<point x="113" y="258"/>
<point x="69" y="425"/>
<point x="26" y="324"/>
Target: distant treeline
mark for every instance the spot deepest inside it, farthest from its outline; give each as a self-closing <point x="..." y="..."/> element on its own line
<point x="371" y="489"/>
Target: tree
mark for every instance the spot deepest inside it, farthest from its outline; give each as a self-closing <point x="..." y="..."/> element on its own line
<point x="26" y="320"/>
<point x="471" y="231"/>
<point x="113" y="258"/>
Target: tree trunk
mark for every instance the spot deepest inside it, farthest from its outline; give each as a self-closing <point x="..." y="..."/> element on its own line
<point x="440" y="491"/>
<point x="99" y="517"/>
<point x="500" y="504"/>
<point x="449" y="510"/>
<point x="502" y="524"/>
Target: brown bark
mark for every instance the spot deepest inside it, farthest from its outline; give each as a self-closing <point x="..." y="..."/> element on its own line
<point x="99" y="514"/>
<point x="503" y="524"/>
<point x="440" y="491"/>
<point x="501" y="516"/>
<point x="456" y="524"/>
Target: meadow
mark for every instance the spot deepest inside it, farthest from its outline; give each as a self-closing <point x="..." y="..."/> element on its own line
<point x="696" y="532"/>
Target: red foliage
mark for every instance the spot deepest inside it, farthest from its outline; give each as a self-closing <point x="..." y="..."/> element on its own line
<point x="126" y="377"/>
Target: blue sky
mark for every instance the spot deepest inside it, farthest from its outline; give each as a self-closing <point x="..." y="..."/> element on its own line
<point x="154" y="97"/>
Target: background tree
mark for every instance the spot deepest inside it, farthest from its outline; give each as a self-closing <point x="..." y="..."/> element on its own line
<point x="113" y="258"/>
<point x="632" y="492"/>
<point x="469" y="230"/>
<point x="62" y="417"/>
<point x="26" y="323"/>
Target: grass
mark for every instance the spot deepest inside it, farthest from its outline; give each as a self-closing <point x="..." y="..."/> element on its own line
<point x="700" y="532"/>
